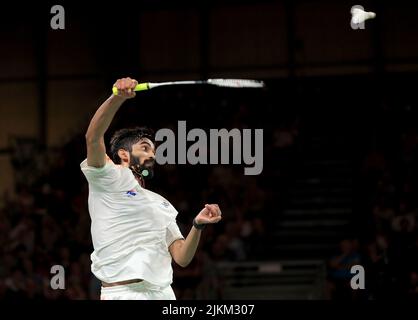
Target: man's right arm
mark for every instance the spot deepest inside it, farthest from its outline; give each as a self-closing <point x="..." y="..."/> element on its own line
<point x="96" y="151"/>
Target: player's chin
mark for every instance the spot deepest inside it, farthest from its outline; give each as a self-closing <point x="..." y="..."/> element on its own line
<point x="149" y="163"/>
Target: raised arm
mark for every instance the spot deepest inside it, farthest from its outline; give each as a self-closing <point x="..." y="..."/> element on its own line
<point x="96" y="151"/>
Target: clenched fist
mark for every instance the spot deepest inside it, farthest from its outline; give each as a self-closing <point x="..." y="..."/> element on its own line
<point x="126" y="87"/>
<point x="209" y="214"/>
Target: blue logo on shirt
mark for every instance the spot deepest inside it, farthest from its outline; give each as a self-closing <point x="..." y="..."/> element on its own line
<point x="131" y="193"/>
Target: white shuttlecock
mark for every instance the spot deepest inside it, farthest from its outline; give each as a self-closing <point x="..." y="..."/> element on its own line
<point x="358" y="15"/>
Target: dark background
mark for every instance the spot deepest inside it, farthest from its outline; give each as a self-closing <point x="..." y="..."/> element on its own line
<point x="339" y="114"/>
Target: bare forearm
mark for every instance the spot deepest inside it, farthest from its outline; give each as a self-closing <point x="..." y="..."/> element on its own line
<point x="183" y="251"/>
<point x="103" y="117"/>
<point x="189" y="247"/>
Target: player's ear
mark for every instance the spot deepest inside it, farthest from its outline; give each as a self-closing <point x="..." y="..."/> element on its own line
<point x="123" y="155"/>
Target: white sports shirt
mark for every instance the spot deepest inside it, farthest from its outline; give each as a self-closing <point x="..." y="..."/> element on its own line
<point x="131" y="227"/>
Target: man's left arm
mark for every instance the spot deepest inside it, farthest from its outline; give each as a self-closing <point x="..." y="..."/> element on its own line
<point x="182" y="250"/>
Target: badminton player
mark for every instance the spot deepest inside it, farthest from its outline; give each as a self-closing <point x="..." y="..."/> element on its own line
<point x="134" y="231"/>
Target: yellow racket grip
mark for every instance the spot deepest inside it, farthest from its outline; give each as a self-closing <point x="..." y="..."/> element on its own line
<point x="139" y="87"/>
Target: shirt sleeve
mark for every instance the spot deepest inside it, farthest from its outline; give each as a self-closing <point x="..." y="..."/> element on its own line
<point x="173" y="233"/>
<point x="105" y="178"/>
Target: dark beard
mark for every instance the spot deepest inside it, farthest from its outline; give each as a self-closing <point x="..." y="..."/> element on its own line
<point x="143" y="171"/>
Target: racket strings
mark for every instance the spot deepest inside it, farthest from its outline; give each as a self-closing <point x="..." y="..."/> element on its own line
<point x="237" y="83"/>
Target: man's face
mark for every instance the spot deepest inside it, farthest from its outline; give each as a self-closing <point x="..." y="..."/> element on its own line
<point x="144" y="149"/>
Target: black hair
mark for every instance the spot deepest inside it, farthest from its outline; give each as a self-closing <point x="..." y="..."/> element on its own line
<point x="125" y="138"/>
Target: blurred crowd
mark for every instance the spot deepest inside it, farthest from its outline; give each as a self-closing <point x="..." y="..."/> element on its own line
<point x="385" y="239"/>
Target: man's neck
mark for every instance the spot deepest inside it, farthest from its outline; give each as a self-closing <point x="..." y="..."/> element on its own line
<point x="140" y="180"/>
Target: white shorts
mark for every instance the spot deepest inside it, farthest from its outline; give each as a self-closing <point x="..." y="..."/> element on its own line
<point x="137" y="291"/>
